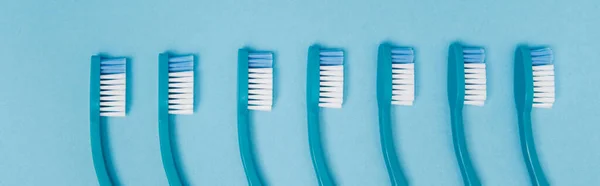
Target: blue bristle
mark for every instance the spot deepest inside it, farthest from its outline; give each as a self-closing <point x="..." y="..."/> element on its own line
<point x="112" y="66"/>
<point x="181" y="69"/>
<point x="402" y="55"/>
<point x="108" y="67"/>
<point x="331" y="53"/>
<point x="181" y="63"/>
<point x="260" y="60"/>
<point x="112" y="71"/>
<point x="473" y="50"/>
<point x="541" y="56"/>
<point x="474" y="55"/>
<point x="331" y="57"/>
<point x="118" y="61"/>
<point x="181" y="59"/>
<point x="402" y="51"/>
<point x="541" y="51"/>
<point x="260" y="55"/>
<point x="331" y="63"/>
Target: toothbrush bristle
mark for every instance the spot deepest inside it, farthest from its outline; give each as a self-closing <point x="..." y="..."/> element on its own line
<point x="260" y="81"/>
<point x="543" y="77"/>
<point x="403" y="76"/>
<point x="475" y="76"/>
<point x="112" y="87"/>
<point x="181" y="85"/>
<point x="331" y="91"/>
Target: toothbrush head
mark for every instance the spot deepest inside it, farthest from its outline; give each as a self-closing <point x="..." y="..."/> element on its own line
<point x="260" y="81"/>
<point x="534" y="78"/>
<point x="181" y="85"/>
<point x="466" y="76"/>
<point x="331" y="89"/>
<point x="112" y="86"/>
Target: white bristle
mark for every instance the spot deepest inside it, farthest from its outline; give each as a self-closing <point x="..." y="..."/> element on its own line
<point x="113" y="76"/>
<point x="112" y="81"/>
<point x="181" y="74"/>
<point x="331" y="77"/>
<point x="260" y="81"/>
<point x="113" y="108"/>
<point x="112" y="98"/>
<point x="181" y="85"/>
<point x="113" y="114"/>
<point x="113" y="87"/>
<point x="543" y="86"/>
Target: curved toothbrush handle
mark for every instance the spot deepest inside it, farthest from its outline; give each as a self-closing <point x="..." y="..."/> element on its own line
<point x="98" y="151"/>
<point x="392" y="162"/>
<point x="166" y="150"/>
<point x="316" y="150"/>
<point x="96" y="125"/>
<point x="467" y="170"/>
<point x="246" y="150"/>
<point x="536" y="173"/>
<point x="243" y="123"/>
<point x="164" y="122"/>
<point x="317" y="153"/>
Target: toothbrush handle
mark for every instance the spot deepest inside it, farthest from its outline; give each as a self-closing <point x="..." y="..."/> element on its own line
<point x="536" y="173"/>
<point x="166" y="150"/>
<point x="98" y="152"/>
<point x="390" y="156"/>
<point x="467" y="170"/>
<point x="317" y="153"/>
<point x="246" y="150"/>
<point x="165" y="121"/>
<point x="316" y="149"/>
<point x="243" y="123"/>
<point x="96" y="124"/>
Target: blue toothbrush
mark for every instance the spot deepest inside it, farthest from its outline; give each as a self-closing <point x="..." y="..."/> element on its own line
<point x="107" y="99"/>
<point x="466" y="85"/>
<point x="255" y="92"/>
<point x="175" y="97"/>
<point x="324" y="88"/>
<point x="534" y="87"/>
<point x="395" y="86"/>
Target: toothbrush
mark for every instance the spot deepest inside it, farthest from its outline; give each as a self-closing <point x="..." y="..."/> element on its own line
<point x="325" y="88"/>
<point x="255" y="92"/>
<point x="466" y="85"/>
<point x="175" y="97"/>
<point x="534" y="87"/>
<point x="107" y="99"/>
<point x="395" y="86"/>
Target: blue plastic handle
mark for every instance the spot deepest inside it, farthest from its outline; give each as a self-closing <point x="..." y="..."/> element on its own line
<point x="317" y="153"/>
<point x="524" y="102"/>
<point x="384" y="99"/>
<point x="244" y="131"/>
<point x="164" y="122"/>
<point x="456" y="98"/>
<point x="96" y="124"/>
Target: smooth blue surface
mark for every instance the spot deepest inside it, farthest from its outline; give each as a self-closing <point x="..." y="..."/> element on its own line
<point x="45" y="48"/>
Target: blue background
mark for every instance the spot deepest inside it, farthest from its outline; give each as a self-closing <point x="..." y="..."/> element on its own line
<point x="45" y="47"/>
